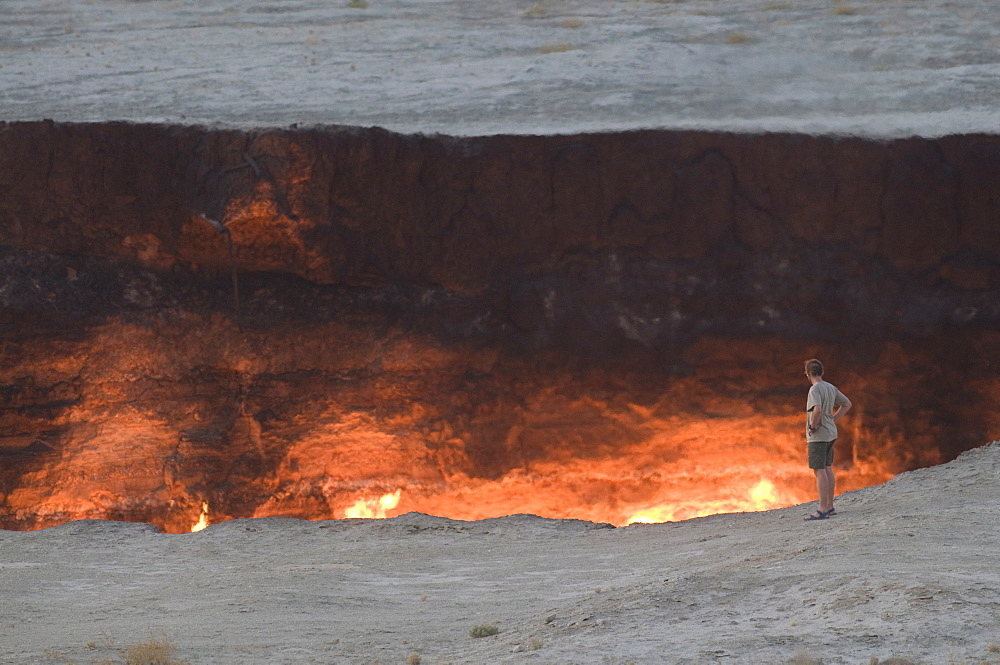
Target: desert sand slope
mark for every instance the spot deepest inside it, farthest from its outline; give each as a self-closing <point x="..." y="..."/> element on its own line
<point x="907" y="569"/>
<point x="867" y="67"/>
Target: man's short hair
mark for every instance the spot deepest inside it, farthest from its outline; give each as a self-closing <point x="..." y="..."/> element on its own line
<point x="814" y="367"/>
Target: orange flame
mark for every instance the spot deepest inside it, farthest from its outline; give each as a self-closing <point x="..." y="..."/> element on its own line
<point x="674" y="468"/>
<point x="592" y="449"/>
<point x="374" y="508"/>
<point x="202" y="519"/>
<point x="762" y="496"/>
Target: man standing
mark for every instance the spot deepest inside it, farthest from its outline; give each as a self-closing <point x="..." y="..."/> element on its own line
<point x="824" y="407"/>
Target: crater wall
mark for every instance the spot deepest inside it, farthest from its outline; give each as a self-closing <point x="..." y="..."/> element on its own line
<point x="279" y="321"/>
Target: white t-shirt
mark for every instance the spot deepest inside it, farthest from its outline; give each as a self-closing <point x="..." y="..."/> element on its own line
<point x="825" y="397"/>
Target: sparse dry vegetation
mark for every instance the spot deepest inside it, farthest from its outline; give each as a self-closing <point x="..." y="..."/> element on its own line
<point x="154" y="652"/>
<point x="803" y="658"/>
<point x="484" y="630"/>
<point x="737" y="37"/>
<point x="842" y="9"/>
<point x="556" y="48"/>
<point x="413" y="659"/>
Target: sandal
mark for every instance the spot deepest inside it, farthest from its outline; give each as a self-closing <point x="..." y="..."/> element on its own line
<point x="818" y="515"/>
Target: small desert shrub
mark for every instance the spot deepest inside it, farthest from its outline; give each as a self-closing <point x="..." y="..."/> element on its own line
<point x="572" y="23"/>
<point x="154" y="652"/>
<point x="483" y="630"/>
<point x="993" y="648"/>
<point x="738" y="38"/>
<point x="413" y="659"/>
<point x="536" y="12"/>
<point x="844" y="10"/>
<point x="357" y="4"/>
<point x="804" y="659"/>
<point x="536" y="644"/>
<point x="556" y="48"/>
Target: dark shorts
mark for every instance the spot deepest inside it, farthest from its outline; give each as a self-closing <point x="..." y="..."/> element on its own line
<point x="821" y="454"/>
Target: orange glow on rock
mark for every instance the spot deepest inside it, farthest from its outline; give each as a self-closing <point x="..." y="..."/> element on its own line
<point x="687" y="467"/>
<point x="293" y="423"/>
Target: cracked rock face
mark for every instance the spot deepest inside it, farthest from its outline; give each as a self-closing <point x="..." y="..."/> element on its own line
<point x="673" y="214"/>
<point x="277" y="322"/>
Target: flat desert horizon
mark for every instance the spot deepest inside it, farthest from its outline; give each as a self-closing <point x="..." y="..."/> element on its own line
<point x="878" y="68"/>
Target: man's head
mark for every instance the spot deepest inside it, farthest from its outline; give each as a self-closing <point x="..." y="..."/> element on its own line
<point x="814" y="368"/>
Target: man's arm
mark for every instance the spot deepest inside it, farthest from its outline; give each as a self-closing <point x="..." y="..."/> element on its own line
<point x="815" y="416"/>
<point x="842" y="410"/>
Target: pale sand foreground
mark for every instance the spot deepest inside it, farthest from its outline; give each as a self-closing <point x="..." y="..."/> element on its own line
<point x="907" y="569"/>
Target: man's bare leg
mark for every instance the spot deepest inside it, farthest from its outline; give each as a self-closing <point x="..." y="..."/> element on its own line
<point x="824" y="486"/>
<point x="833" y="489"/>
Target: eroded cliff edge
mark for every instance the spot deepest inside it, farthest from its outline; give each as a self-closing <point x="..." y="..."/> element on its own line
<point x="237" y="291"/>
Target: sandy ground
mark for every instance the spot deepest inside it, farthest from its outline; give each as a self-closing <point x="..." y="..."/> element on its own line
<point x="461" y="67"/>
<point x="907" y="569"/>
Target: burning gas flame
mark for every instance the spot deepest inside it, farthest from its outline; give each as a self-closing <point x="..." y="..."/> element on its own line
<point x="761" y="496"/>
<point x="202" y="519"/>
<point x="374" y="508"/>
